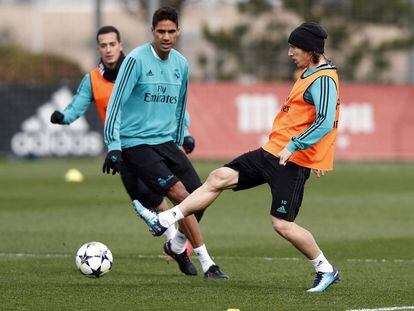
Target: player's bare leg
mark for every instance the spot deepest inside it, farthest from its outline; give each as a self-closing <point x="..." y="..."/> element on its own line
<point x="300" y="238"/>
<point x="218" y="180"/>
<point x="189" y="225"/>
<point x="171" y="231"/>
<point x="190" y="229"/>
<point x="304" y="241"/>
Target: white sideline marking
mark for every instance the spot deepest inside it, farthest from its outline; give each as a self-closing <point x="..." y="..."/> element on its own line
<point x="32" y="255"/>
<point x="218" y="257"/>
<point x="385" y="309"/>
<point x="382" y="261"/>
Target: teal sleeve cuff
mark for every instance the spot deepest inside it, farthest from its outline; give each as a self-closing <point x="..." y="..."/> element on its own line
<point x="116" y="145"/>
<point x="291" y="147"/>
<point x="80" y="102"/>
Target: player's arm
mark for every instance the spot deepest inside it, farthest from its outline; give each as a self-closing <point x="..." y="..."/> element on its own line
<point x="127" y="78"/>
<point x="181" y="109"/>
<point x="189" y="141"/>
<point x="186" y="124"/>
<point x="323" y="94"/>
<point x="78" y="106"/>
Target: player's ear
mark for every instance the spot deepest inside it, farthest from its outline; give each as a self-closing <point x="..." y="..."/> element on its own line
<point x="178" y="31"/>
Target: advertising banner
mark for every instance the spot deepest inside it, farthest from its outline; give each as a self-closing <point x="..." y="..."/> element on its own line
<point x="376" y="121"/>
<point x="227" y="119"/>
<point x="26" y="130"/>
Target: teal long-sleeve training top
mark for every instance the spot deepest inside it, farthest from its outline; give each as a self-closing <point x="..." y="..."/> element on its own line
<point x="80" y="102"/>
<point x="84" y="98"/>
<point x="323" y="94"/>
<point x="148" y="103"/>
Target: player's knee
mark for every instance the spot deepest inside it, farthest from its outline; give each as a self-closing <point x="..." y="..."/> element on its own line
<point x="177" y="193"/>
<point x="220" y="178"/>
<point x="282" y="227"/>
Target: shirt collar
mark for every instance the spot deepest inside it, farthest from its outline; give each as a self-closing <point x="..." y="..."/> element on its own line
<point x="155" y="53"/>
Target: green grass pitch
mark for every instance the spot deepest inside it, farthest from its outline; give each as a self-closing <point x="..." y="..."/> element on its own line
<point x="362" y="215"/>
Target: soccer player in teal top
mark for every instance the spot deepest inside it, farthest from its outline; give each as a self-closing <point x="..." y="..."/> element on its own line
<point x="145" y="122"/>
<point x="96" y="87"/>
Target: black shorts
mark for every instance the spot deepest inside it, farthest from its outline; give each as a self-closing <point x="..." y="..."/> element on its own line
<point x="286" y="182"/>
<point x="137" y="190"/>
<point x="161" y="166"/>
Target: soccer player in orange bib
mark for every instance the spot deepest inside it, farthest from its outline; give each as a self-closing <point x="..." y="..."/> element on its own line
<point x="302" y="140"/>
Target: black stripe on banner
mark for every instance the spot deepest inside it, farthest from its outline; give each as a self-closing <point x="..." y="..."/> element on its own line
<point x="110" y="127"/>
<point x="323" y="108"/>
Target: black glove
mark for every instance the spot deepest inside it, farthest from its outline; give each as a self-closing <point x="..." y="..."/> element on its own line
<point x="188" y="144"/>
<point x="57" y="117"/>
<point x="112" y="161"/>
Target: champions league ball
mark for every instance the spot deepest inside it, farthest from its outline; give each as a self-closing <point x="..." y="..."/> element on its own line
<point x="94" y="259"/>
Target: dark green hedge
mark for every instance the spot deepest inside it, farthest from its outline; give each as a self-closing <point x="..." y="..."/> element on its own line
<point x="19" y="66"/>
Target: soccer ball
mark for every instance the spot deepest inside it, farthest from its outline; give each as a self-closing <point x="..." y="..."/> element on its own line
<point x="94" y="259"/>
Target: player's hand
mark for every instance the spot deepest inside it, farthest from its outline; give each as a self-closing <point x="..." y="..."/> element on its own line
<point x="319" y="173"/>
<point x="57" y="117"/>
<point x="284" y="156"/>
<point x="113" y="161"/>
<point x="188" y="144"/>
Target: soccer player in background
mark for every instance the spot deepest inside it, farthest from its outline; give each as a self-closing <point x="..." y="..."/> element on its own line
<point x="144" y="124"/>
<point x="97" y="86"/>
<point x="302" y="140"/>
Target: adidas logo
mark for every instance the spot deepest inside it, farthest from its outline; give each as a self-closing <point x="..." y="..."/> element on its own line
<point x="281" y="210"/>
<point x="149" y="73"/>
<point x="41" y="138"/>
<point x="162" y="182"/>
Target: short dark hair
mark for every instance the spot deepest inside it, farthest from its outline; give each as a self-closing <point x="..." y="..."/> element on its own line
<point x="108" y="29"/>
<point x="316" y="57"/>
<point x="165" y="13"/>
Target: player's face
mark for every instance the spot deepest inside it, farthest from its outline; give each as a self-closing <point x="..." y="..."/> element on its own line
<point x="300" y="57"/>
<point x="109" y="49"/>
<point x="165" y="35"/>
